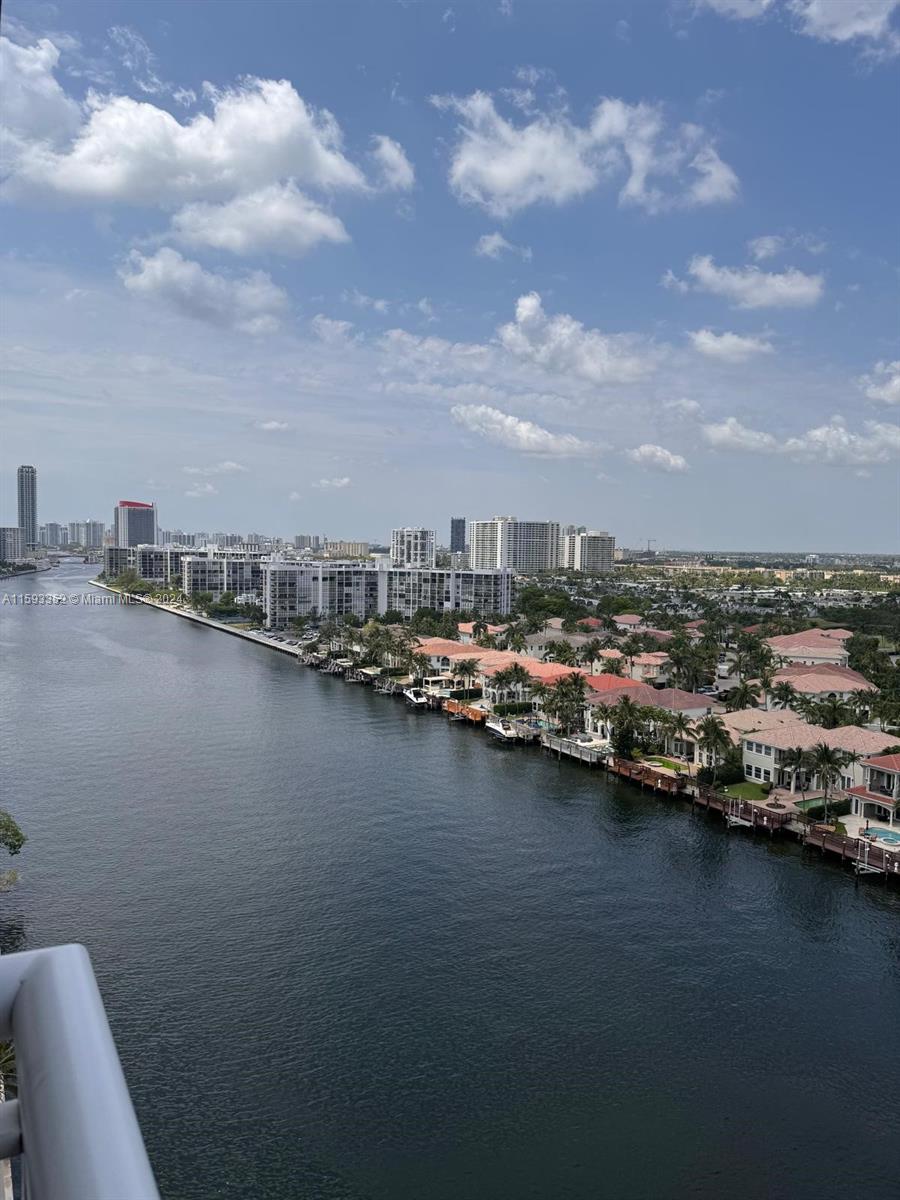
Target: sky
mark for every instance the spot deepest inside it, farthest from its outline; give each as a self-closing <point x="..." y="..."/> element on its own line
<point x="339" y="267"/>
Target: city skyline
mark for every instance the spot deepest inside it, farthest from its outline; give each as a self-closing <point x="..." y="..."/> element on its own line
<point x="638" y="283"/>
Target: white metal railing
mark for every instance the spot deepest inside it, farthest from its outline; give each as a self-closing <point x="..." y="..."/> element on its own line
<point x="72" y="1123"/>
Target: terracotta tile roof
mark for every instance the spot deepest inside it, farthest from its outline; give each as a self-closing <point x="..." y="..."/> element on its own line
<point x="808" y="639"/>
<point x="823" y="677"/>
<point x="607" y="682"/>
<point x="658" y="635"/>
<point x="628" y="619"/>
<point x="591" y="622"/>
<point x="642" y="693"/>
<point x="754" y="720"/>
<point x="884" y="762"/>
<point x="852" y="738"/>
<point x="652" y="658"/>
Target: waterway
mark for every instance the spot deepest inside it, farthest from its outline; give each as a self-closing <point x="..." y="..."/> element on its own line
<point x="350" y="951"/>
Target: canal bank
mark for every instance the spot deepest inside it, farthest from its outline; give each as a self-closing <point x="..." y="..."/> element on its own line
<point x="863" y="859"/>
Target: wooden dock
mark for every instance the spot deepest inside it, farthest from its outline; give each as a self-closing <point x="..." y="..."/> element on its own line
<point x="646" y="776"/>
<point x="865" y="858"/>
<point x="468" y="712"/>
<point x="736" y="812"/>
<point x="564" y="746"/>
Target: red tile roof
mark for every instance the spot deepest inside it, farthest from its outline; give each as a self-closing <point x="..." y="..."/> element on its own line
<point x="884" y="762"/>
<point x="642" y="693"/>
<point x="607" y="682"/>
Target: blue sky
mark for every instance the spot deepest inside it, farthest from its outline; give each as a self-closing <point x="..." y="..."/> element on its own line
<point x="338" y="267"/>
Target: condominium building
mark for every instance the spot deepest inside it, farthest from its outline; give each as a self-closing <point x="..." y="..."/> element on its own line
<point x="12" y="543"/>
<point x="201" y="574"/>
<point x="589" y="551"/>
<point x="53" y="535"/>
<point x="307" y="541"/>
<point x="457" y="535"/>
<point x="334" y="589"/>
<point x="412" y="547"/>
<point x="347" y="549"/>
<point x="481" y="592"/>
<point x="134" y="524"/>
<point x="505" y="543"/>
<point x="26" y="480"/>
<point x="117" y="559"/>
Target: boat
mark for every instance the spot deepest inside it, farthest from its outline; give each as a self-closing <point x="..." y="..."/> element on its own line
<point x="501" y="729"/>
<point x="415" y="697"/>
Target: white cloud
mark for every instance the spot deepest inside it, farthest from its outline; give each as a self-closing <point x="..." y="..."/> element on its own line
<point x="517" y="434"/>
<point x="271" y="426"/>
<point x="765" y="247"/>
<point x="223" y="468"/>
<point x="657" y="458"/>
<point x="35" y="107"/>
<point x="749" y="287"/>
<point x="494" y="245"/>
<point x="884" y="383"/>
<point x="330" y="331"/>
<point x="847" y="20"/>
<point x="772" y="244"/>
<point x="728" y="347"/>
<point x="360" y="300"/>
<point x="863" y="21"/>
<point x="294" y="496"/>
<point x="137" y="57"/>
<point x="732" y="435"/>
<point x="688" y="408"/>
<point x="274" y="219"/>
<point x="563" y="344"/>
<point x="134" y="152"/>
<point x="832" y="443"/>
<point x="251" y="304"/>
<point x="672" y="283"/>
<point x="338" y="482"/>
<point x="197" y="490"/>
<point x="504" y="167"/>
<point x="395" y="171"/>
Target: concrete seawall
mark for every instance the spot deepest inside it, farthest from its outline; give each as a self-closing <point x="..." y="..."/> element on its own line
<point x="246" y="634"/>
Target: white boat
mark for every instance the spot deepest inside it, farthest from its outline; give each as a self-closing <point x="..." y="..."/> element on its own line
<point x="501" y="729"/>
<point x="415" y="697"/>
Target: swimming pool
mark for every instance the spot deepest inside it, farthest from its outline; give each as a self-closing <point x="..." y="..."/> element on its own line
<point x="887" y="835"/>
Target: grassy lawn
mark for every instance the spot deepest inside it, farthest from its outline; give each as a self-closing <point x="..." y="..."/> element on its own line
<point x="666" y="762"/>
<point x="745" y="791"/>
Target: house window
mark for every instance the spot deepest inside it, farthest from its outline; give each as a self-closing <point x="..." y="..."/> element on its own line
<point x="757" y="772"/>
<point x="748" y="770"/>
<point x="767" y="775"/>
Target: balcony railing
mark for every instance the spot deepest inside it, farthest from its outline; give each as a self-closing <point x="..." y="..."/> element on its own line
<point x="72" y="1124"/>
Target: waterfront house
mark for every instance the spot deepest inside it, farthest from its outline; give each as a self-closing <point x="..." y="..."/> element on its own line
<point x="737" y="725"/>
<point x="765" y="752"/>
<point x="691" y="704"/>
<point x="824" y="681"/>
<point x="466" y="630"/>
<point x="652" y="667"/>
<point x="811" y="647"/>
<point x="877" y="798"/>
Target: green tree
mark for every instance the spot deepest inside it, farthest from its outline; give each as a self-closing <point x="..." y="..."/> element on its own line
<point x="12" y="839"/>
<point x="565" y="702"/>
<point x="827" y="763"/>
<point x="745" y="695"/>
<point x="714" y="740"/>
<point x="560" y="652"/>
<point x="783" y="694"/>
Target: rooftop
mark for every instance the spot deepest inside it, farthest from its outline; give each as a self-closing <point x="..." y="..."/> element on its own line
<point x="851" y="738"/>
<point x="884" y="762"/>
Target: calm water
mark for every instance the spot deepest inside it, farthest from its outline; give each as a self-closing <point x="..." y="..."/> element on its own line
<point x="351" y="951"/>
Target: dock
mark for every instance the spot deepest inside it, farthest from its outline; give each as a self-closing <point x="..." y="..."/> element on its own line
<point x="865" y="858"/>
<point x="591" y="755"/>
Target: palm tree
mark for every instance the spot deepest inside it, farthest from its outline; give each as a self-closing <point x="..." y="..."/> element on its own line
<point x="566" y="701"/>
<point x="745" y="695"/>
<point x="833" y="712"/>
<point x="680" y="726"/>
<point x="827" y="763"/>
<point x="515" y="640"/>
<point x="614" y="666"/>
<point x="713" y="739"/>
<point x="479" y="628"/>
<point x="784" y="694"/>
<point x="519" y="679"/>
<point x="590" y="652"/>
<point x="420" y="665"/>
<point x="467" y="669"/>
<point x="603" y="714"/>
<point x="796" y="761"/>
<point x="560" y="652"/>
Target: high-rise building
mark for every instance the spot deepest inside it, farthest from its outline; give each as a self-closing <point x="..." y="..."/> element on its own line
<point x="93" y="535"/>
<point x="508" y="544"/>
<point x="134" y="523"/>
<point x="308" y="541"/>
<point x="51" y="535"/>
<point x="26" y="479"/>
<point x="590" y="551"/>
<point x="412" y="547"/>
<point x="11" y="547"/>
<point x="457" y="535"/>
